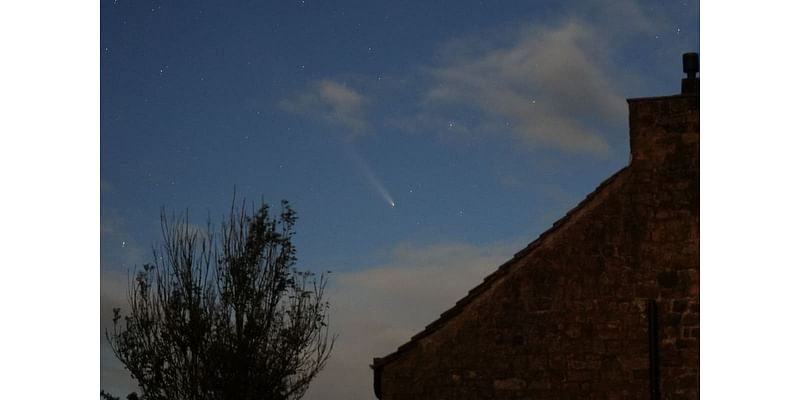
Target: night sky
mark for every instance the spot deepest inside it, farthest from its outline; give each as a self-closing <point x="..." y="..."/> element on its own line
<point x="421" y="143"/>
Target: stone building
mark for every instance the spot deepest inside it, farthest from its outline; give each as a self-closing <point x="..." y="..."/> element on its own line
<point x="603" y="305"/>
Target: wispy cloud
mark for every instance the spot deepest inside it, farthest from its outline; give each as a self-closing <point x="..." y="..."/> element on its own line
<point x="550" y="86"/>
<point x="379" y="308"/>
<point x="554" y="85"/>
<point x="332" y="102"/>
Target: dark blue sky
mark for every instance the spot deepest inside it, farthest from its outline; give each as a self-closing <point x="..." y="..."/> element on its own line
<point x="482" y="122"/>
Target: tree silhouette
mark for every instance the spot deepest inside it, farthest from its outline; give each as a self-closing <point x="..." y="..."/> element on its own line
<point x="224" y="319"/>
<point x="107" y="396"/>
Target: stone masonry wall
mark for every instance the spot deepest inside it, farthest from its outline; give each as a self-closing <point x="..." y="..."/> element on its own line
<point x="568" y="319"/>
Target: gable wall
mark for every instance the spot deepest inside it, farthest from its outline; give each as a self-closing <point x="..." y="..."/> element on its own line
<point x="568" y="320"/>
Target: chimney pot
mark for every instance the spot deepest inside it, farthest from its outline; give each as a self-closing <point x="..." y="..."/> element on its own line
<point x="691" y="66"/>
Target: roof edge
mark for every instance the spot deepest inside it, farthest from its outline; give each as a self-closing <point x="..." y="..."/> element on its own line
<point x="675" y="96"/>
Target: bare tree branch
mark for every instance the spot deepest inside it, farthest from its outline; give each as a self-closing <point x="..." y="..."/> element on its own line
<point x="227" y="319"/>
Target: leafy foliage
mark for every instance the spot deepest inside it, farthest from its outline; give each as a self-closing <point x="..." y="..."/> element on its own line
<point x="225" y="319"/>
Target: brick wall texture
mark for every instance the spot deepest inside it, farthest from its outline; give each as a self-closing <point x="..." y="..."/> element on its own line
<point x="566" y="318"/>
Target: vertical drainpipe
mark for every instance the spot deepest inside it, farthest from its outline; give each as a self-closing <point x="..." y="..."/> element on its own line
<point x="652" y="330"/>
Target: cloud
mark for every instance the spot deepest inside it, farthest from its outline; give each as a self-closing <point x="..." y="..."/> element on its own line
<point x="332" y="102"/>
<point x="551" y="85"/>
<point x="377" y="309"/>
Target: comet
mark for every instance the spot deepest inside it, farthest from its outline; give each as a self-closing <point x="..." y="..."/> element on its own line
<point x="377" y="184"/>
<point x="373" y="180"/>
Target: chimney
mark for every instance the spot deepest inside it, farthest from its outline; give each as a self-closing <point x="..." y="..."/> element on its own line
<point x="665" y="131"/>
<point x="691" y="66"/>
